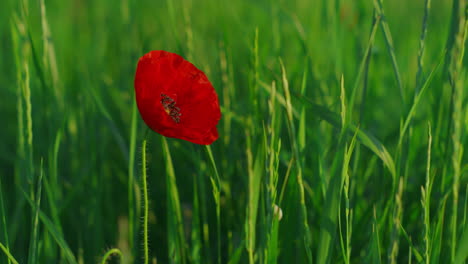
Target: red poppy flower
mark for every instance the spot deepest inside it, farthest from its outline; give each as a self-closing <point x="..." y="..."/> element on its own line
<point x="175" y="99"/>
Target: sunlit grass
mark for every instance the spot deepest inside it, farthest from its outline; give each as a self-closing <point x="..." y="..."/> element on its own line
<point x="347" y="118"/>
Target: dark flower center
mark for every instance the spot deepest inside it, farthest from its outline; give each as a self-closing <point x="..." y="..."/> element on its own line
<point x="170" y="107"/>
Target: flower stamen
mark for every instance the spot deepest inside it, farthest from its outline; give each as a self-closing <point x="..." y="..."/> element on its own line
<point x="169" y="106"/>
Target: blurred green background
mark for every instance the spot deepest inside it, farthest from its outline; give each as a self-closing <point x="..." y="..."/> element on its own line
<point x="330" y="110"/>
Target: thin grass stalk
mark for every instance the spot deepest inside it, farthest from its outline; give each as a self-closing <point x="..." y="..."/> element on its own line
<point x="49" y="59"/>
<point x="426" y="200"/>
<point x="188" y="29"/>
<point x="131" y="179"/>
<point x="376" y="249"/>
<point x="396" y="221"/>
<point x="271" y="181"/>
<point x="177" y="253"/>
<point x="145" y="204"/>
<point x="24" y="79"/>
<point x="378" y="4"/>
<point x="17" y="32"/>
<point x="202" y="191"/>
<point x="375" y="20"/>
<point x="422" y="42"/>
<point x="252" y="206"/>
<point x="250" y="223"/>
<point x="362" y="65"/>
<point x="466" y="209"/>
<point x="3" y="221"/>
<point x="456" y="161"/>
<point x="346" y="243"/>
<point x="196" y="231"/>
<point x="254" y="91"/>
<point x="216" y="184"/>
<point x="416" y="102"/>
<point x="29" y="122"/>
<point x="226" y="94"/>
<point x="307" y="236"/>
<point x="456" y="45"/>
<point x="33" y="248"/>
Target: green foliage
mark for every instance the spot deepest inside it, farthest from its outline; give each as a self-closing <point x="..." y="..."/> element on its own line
<point x="343" y="134"/>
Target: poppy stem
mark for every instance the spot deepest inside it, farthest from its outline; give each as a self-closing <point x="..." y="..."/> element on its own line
<point x="145" y="198"/>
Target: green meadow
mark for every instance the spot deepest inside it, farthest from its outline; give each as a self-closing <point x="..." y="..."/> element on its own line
<point x="343" y="137"/>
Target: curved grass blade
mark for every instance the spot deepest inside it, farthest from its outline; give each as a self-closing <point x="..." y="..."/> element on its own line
<point x="33" y="248"/>
<point x="462" y="250"/>
<point x="174" y="213"/>
<point x="391" y="49"/>
<point x="58" y="237"/>
<point x="366" y="138"/>
<point x="422" y="42"/>
<point x="364" y="62"/>
<point x="417" y="254"/>
<point x="307" y="236"/>
<point x="437" y="237"/>
<point x="8" y="254"/>
<point x="216" y="183"/>
<point x="111" y="252"/>
<point x="418" y="99"/>
<point x="255" y="174"/>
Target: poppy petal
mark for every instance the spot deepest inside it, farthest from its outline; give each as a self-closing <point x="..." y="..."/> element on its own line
<point x="175" y="99"/>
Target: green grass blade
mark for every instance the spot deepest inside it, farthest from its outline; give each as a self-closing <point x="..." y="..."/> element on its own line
<point x="216" y="184"/>
<point x="422" y="44"/>
<point x="418" y="99"/>
<point x="390" y="46"/>
<point x="301" y="134"/>
<point x="175" y="226"/>
<point x="378" y="148"/>
<point x="330" y="212"/>
<point x="456" y="79"/>
<point x="366" y="62"/>
<point x="462" y="250"/>
<point x="51" y="228"/>
<point x="131" y="178"/>
<point x="273" y="243"/>
<point x="362" y="64"/>
<point x="307" y="236"/>
<point x="32" y="258"/>
<point x="437" y="238"/>
<point x="426" y="200"/>
<point x="49" y="58"/>
<point x="331" y="219"/>
<point x="255" y="174"/>
<point x="196" y="232"/>
<point x="366" y="138"/>
<point x="343" y="103"/>
<point x="465" y="227"/>
<point x="346" y="243"/>
<point x="374" y="254"/>
<point x="236" y="256"/>
<point x="417" y="254"/>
